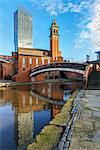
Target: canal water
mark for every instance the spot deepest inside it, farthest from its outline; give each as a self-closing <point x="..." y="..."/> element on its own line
<point x="25" y="110"/>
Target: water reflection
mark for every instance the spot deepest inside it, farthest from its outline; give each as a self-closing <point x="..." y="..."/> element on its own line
<point x="25" y="110"/>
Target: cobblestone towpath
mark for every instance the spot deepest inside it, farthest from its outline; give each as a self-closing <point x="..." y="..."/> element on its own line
<point x="86" y="132"/>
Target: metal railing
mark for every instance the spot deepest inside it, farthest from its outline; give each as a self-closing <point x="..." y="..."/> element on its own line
<point x="77" y="66"/>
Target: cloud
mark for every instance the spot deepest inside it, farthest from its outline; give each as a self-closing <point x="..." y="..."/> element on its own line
<point x="94" y="25"/>
<point x="82" y="39"/>
<point x="90" y="28"/>
<point x="55" y="7"/>
<point x="51" y="7"/>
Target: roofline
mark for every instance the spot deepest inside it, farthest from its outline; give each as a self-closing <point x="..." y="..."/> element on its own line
<point x="34" y="49"/>
<point x="24" y="10"/>
<point x="35" y="55"/>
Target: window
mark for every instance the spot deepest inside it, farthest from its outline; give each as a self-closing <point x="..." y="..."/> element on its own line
<point x="30" y="61"/>
<point x="48" y="61"/>
<point x="23" y="62"/>
<point x="42" y="61"/>
<point x="36" y="61"/>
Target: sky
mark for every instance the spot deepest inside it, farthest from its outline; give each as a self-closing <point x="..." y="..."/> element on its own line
<point x="78" y="21"/>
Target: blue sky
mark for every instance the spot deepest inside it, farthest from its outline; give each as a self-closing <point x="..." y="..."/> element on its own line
<point x="78" y="21"/>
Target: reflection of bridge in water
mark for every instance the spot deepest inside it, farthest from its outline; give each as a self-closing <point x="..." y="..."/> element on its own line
<point x="55" y="102"/>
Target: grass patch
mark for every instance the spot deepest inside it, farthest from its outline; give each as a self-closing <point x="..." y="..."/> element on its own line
<point x="47" y="139"/>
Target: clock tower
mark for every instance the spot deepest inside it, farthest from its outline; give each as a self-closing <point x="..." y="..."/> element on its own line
<point x="54" y="41"/>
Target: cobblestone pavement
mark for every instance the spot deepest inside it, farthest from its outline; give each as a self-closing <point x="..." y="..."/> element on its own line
<point x="75" y="113"/>
<point x="86" y="133"/>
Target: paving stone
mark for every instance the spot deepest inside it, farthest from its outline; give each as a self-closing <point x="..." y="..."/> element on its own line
<point x="66" y="145"/>
<point x="60" y="146"/>
<point x="67" y="127"/>
<point x="66" y="131"/>
<point x="63" y="138"/>
<point x="65" y="134"/>
<point x="70" y="122"/>
<point x="69" y="137"/>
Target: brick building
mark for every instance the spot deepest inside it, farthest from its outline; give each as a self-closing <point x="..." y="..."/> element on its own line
<point x="29" y="58"/>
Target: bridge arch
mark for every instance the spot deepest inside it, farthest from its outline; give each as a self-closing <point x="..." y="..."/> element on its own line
<point x="77" y="68"/>
<point x="57" y="69"/>
<point x="87" y="72"/>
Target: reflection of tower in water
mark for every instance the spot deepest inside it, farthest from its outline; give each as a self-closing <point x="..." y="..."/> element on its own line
<point x="25" y="128"/>
<point x="24" y="121"/>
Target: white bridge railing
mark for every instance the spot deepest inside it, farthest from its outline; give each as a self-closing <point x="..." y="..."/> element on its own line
<point x="72" y="67"/>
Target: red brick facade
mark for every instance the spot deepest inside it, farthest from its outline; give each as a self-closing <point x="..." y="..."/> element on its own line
<point x="54" y="42"/>
<point x="22" y="77"/>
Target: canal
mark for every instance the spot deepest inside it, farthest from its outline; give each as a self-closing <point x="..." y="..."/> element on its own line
<point x="25" y="110"/>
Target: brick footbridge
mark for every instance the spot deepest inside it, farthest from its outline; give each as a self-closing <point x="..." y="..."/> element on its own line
<point x="58" y="70"/>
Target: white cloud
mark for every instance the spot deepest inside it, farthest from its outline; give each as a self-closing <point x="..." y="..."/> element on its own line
<point x="94" y="25"/>
<point x="90" y="28"/>
<point x="55" y="7"/>
<point x="51" y="7"/>
<point x="82" y="39"/>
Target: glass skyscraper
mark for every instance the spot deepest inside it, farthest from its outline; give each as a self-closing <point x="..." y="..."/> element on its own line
<point x="22" y="29"/>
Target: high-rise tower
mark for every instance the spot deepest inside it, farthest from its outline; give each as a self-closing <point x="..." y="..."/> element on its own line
<point x="54" y="41"/>
<point x="22" y="29"/>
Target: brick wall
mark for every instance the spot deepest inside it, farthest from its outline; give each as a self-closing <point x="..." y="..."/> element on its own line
<point x="72" y="75"/>
<point x="29" y="66"/>
<point x="22" y="77"/>
<point x="8" y="69"/>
